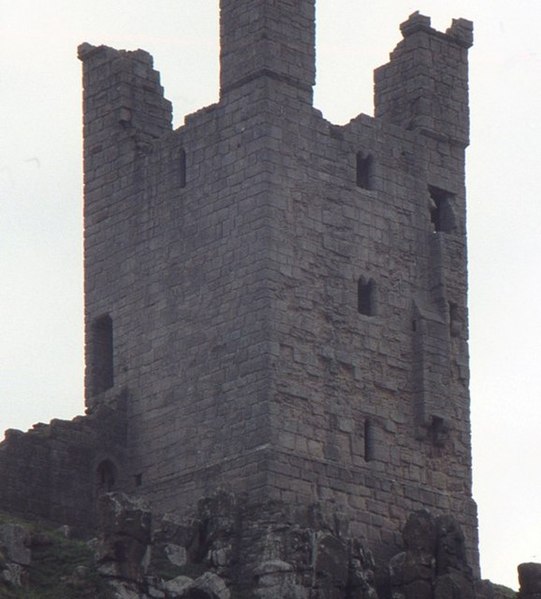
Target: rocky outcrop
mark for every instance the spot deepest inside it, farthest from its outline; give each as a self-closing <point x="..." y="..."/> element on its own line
<point x="14" y="554"/>
<point x="52" y="472"/>
<point x="230" y="549"/>
<point x="233" y="550"/>
<point x="433" y="565"/>
<point x="529" y="577"/>
<point x="487" y="590"/>
<point x="123" y="547"/>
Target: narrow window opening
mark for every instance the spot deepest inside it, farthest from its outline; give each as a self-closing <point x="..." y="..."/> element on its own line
<point x="106" y="476"/>
<point x="368" y="440"/>
<point x="439" y="431"/>
<point x="365" y="170"/>
<point x="182" y="168"/>
<point x="366" y="302"/>
<point x="441" y="210"/>
<point x="102" y="354"/>
<point x="413" y="325"/>
<point x="454" y="322"/>
<point x="138" y="480"/>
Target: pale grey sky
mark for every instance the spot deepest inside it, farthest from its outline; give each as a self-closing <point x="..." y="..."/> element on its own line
<point x="41" y="363"/>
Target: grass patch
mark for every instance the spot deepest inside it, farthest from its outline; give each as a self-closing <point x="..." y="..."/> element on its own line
<point x="50" y="574"/>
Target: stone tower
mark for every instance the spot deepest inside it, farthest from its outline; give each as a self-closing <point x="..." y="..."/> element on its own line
<point x="281" y="302"/>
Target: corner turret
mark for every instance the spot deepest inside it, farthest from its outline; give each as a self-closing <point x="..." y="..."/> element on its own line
<point x="425" y="85"/>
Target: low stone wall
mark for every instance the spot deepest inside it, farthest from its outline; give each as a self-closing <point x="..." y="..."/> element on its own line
<point x="56" y="471"/>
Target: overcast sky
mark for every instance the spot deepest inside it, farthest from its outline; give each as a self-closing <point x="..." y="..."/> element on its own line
<point x="41" y="364"/>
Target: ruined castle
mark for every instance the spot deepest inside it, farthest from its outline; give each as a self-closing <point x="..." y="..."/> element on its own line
<point x="275" y="305"/>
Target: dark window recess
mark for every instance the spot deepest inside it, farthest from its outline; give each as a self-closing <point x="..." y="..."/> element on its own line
<point x="438" y="431"/>
<point x="102" y="354"/>
<point x="454" y="322"/>
<point x="106" y="476"/>
<point x="182" y="168"/>
<point x="366" y="296"/>
<point x="365" y="170"/>
<point x="441" y="210"/>
<point x="368" y="440"/>
<point x="138" y="480"/>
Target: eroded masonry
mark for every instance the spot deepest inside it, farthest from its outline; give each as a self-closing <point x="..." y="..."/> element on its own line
<point x="275" y="305"/>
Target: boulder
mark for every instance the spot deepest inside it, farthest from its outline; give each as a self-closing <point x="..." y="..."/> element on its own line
<point x="15" y="544"/>
<point x="177" y="586"/>
<point x="276" y="578"/>
<point x="207" y="586"/>
<point x="529" y="577"/>
<point x="123" y="547"/>
<point x="450" y="547"/>
<point x="420" y="532"/>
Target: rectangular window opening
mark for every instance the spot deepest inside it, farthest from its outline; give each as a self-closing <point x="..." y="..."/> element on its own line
<point x="102" y="370"/>
<point x="182" y="168"/>
<point x="441" y="210"/>
<point x="366" y="296"/>
<point x="365" y="170"/>
<point x="368" y="440"/>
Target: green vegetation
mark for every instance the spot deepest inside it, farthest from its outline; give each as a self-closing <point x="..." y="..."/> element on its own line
<point x="60" y="567"/>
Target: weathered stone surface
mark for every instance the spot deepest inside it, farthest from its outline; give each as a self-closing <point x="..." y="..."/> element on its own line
<point x="417" y="589"/>
<point x="178" y="585"/>
<point x="276" y="578"/>
<point x="451" y="550"/>
<point x="487" y="590"/>
<point x="15" y="543"/>
<point x="453" y="586"/>
<point x="420" y="532"/>
<point x="434" y="565"/>
<point x="123" y="545"/>
<point x="529" y="577"/>
<point x="207" y="586"/>
<point x="13" y="574"/>
<point x="176" y="554"/>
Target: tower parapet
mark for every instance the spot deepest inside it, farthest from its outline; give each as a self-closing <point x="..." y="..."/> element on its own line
<point x="425" y="85"/>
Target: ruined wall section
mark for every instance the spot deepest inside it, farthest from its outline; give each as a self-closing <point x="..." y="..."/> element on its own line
<point x="123" y="112"/>
<point x="370" y="401"/>
<point x="425" y="89"/>
<point x="56" y="471"/>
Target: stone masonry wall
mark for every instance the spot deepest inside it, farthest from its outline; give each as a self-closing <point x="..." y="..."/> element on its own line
<point x="285" y="299"/>
<point x="56" y="471"/>
<point x="279" y="302"/>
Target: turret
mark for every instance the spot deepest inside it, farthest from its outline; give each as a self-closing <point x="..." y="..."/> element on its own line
<point x="268" y="38"/>
<point x="425" y="84"/>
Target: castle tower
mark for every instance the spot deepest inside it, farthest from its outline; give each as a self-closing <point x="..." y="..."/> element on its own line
<point x="280" y="301"/>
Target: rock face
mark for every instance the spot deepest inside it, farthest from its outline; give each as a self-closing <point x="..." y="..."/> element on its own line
<point x="230" y="549"/>
<point x="433" y="565"/>
<point x="488" y="590"/>
<point x="125" y="537"/>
